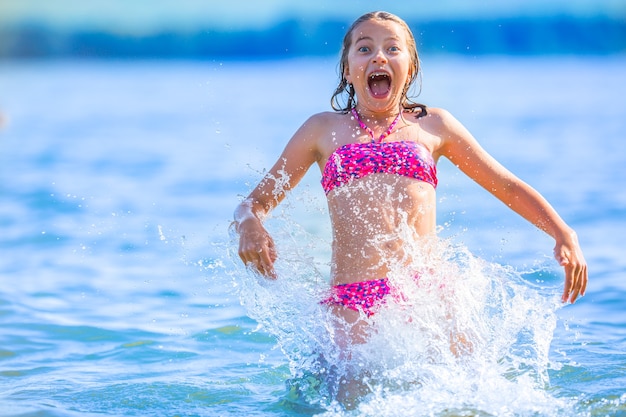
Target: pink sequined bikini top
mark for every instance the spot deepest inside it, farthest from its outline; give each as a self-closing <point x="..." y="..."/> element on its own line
<point x="357" y="160"/>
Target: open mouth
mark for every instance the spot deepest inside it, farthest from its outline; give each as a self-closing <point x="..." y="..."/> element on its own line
<point x="379" y="84"/>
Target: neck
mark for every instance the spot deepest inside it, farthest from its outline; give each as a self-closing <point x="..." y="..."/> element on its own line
<point x="370" y="131"/>
<point x="382" y="115"/>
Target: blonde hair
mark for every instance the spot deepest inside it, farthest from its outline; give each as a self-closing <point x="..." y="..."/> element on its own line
<point x="345" y="87"/>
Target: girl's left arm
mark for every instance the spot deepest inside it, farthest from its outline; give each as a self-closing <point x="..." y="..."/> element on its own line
<point x="460" y="147"/>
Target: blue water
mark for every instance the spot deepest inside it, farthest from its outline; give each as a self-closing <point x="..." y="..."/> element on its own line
<point x="121" y="296"/>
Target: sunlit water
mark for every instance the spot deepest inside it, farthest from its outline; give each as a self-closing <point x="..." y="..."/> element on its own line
<point x="122" y="293"/>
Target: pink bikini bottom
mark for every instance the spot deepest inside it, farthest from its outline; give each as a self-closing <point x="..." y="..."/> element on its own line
<point x="365" y="295"/>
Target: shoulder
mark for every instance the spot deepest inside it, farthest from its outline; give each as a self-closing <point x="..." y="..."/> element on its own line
<point x="438" y="116"/>
<point x="443" y="124"/>
<point x="313" y="134"/>
<point x="324" y="119"/>
<point x="319" y="126"/>
<point x="450" y="132"/>
<point x="436" y="120"/>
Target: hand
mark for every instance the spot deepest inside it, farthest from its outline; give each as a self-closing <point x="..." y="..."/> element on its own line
<point x="256" y="247"/>
<point x="570" y="256"/>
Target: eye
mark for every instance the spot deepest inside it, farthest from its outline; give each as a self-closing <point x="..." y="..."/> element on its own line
<point x="394" y="49"/>
<point x="364" y="49"/>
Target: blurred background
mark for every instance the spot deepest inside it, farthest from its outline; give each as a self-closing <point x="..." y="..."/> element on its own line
<point x="283" y="28"/>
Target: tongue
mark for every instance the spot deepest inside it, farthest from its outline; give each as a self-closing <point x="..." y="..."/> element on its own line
<point x="379" y="85"/>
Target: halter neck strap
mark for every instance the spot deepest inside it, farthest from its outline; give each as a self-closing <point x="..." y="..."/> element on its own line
<point x="370" y="131"/>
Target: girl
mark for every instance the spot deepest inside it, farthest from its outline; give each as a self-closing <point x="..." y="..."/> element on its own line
<point x="377" y="155"/>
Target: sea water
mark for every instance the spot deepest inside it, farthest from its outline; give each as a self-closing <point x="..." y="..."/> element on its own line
<point x="121" y="289"/>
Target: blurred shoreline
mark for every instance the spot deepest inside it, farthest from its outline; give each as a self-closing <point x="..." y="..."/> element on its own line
<point x="594" y="35"/>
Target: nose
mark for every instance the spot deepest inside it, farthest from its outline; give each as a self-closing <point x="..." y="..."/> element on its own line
<point x="379" y="57"/>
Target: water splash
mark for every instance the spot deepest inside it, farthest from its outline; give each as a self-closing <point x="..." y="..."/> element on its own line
<point x="466" y="336"/>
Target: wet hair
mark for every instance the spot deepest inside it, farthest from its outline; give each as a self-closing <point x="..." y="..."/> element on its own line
<point x="347" y="88"/>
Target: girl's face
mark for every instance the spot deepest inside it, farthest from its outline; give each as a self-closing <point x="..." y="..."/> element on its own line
<point x="378" y="65"/>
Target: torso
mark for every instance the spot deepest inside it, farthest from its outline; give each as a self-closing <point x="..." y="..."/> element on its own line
<point x="368" y="210"/>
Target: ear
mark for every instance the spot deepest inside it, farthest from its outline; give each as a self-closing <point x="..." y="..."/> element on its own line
<point x="408" y="80"/>
<point x="346" y="75"/>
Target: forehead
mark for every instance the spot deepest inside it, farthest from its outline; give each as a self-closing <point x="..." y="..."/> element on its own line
<point x="379" y="29"/>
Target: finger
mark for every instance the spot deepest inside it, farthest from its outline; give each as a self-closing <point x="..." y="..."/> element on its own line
<point x="581" y="284"/>
<point x="585" y="281"/>
<point x="268" y="256"/>
<point x="568" y="286"/>
<point x="578" y="283"/>
<point x="249" y="261"/>
<point x="573" y="296"/>
<point x="565" y="296"/>
<point x="272" y="250"/>
<point x="244" y="251"/>
<point x="248" y="257"/>
<point x="575" y="287"/>
<point x="267" y="263"/>
<point x="242" y="254"/>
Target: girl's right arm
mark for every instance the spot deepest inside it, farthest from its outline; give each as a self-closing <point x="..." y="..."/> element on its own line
<point x="256" y="246"/>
